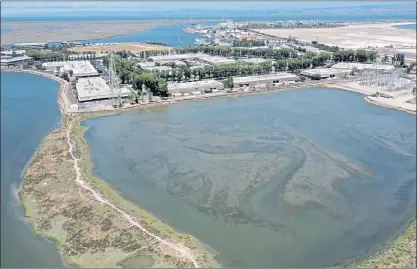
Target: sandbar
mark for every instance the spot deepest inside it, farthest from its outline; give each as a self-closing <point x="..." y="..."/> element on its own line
<point x="132" y="47"/>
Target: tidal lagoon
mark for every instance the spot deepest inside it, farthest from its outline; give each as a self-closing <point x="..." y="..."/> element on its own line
<point x="309" y="177"/>
<point x="29" y="112"/>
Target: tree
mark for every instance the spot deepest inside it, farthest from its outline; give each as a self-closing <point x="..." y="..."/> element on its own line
<point x="228" y="83"/>
<point x="65" y="76"/>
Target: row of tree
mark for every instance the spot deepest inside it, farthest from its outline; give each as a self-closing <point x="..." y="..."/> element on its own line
<point x="227" y="51"/>
<point x="361" y="56"/>
<point x="45" y="55"/>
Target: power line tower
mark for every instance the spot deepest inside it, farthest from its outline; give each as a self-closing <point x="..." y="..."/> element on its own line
<point x="114" y="84"/>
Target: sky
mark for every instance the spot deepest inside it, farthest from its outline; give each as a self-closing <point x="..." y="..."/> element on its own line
<point x="23" y="9"/>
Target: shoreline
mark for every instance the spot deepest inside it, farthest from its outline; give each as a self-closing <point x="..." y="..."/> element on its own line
<point x="101" y="189"/>
<point x="76" y="131"/>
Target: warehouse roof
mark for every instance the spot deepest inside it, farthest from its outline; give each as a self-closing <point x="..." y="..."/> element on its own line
<point x="362" y="66"/>
<point x="96" y="88"/>
<point x="264" y="77"/>
<point x="174" y="86"/>
<point x="325" y="71"/>
<point x="79" y="68"/>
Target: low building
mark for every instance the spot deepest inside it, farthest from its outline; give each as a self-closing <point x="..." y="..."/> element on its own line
<point x="96" y="88"/>
<point x="145" y="64"/>
<point x="215" y="60"/>
<point x="178" y="58"/>
<point x="86" y="56"/>
<point x="269" y="79"/>
<point x="254" y="60"/>
<point x="365" y="67"/>
<point x="31" y="45"/>
<point x="13" y="52"/>
<point x="323" y="73"/>
<point x="193" y="87"/>
<point x="10" y="61"/>
<point x="78" y="68"/>
<point x="175" y="57"/>
<point x="157" y="68"/>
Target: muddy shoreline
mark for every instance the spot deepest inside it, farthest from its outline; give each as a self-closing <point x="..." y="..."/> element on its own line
<point x="54" y="212"/>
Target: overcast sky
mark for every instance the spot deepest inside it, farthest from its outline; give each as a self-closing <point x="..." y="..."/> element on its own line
<point x="17" y="9"/>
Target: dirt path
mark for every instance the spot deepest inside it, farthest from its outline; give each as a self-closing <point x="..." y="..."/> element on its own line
<point x="179" y="250"/>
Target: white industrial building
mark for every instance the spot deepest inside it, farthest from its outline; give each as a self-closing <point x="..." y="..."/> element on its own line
<point x="215" y="60"/>
<point x="322" y="73"/>
<point x="177" y="58"/>
<point x="145" y="64"/>
<point x="194" y="87"/>
<point x="96" y="88"/>
<point x="254" y="60"/>
<point x="269" y="79"/>
<point x="78" y="68"/>
<point x="8" y="61"/>
<point x="13" y="52"/>
<point x="157" y="68"/>
<point x="365" y="67"/>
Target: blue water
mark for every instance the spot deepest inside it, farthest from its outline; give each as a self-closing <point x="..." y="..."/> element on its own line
<point x="29" y="111"/>
<point x="173" y="35"/>
<point x="355" y="161"/>
<point x="6" y="30"/>
<point x="406" y="26"/>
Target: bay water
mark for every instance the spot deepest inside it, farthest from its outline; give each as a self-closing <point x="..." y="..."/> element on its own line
<point x="29" y="111"/>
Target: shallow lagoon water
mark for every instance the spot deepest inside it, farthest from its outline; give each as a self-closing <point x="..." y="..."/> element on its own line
<point x="310" y="177"/>
<point x="29" y="112"/>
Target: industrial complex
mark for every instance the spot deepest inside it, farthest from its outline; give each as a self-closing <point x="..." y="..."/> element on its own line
<point x="196" y="87"/>
<point x="323" y="73"/>
<point x="78" y="68"/>
<point x="96" y="88"/>
<point x="268" y="80"/>
<point x="365" y="67"/>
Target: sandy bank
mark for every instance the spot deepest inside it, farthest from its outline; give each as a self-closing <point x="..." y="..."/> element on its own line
<point x="399" y="101"/>
<point x="57" y="31"/>
<point x="352" y="36"/>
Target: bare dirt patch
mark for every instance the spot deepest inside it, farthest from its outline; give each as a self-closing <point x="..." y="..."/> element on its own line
<point x="352" y="36"/>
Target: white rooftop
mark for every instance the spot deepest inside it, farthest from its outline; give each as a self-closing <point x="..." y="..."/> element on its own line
<point x="159" y="68"/>
<point x="254" y="60"/>
<point x="15" y="59"/>
<point x="146" y="64"/>
<point x="215" y="59"/>
<point x="11" y="52"/>
<point x="195" y="84"/>
<point x="325" y="71"/>
<point x="362" y="66"/>
<point x="264" y="77"/>
<point x="94" y="88"/>
<point x="176" y="57"/>
<point x="79" y="68"/>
